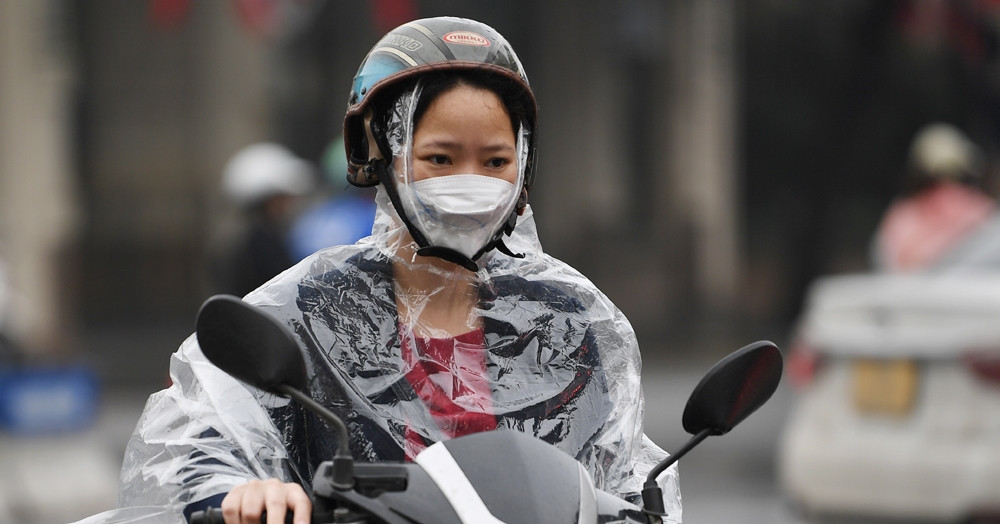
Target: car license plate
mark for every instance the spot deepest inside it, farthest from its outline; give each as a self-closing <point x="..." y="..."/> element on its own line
<point x="885" y="387"/>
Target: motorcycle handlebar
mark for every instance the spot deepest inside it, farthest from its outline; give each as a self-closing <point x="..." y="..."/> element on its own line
<point x="208" y="516"/>
<point x="214" y="516"/>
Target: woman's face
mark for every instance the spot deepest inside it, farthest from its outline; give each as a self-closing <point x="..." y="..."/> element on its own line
<point x="466" y="130"/>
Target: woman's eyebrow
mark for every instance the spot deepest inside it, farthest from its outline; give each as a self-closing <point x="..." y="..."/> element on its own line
<point x="454" y="144"/>
<point x="441" y="143"/>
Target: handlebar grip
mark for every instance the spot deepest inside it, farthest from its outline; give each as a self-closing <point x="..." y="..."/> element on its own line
<point x="208" y="516"/>
<point x="214" y="516"/>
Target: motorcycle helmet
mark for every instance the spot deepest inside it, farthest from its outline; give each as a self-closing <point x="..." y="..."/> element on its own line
<point x="262" y="170"/>
<point x="397" y="63"/>
<point x="941" y="151"/>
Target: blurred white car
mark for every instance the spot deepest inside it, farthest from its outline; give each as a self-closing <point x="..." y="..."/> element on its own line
<point x="899" y="409"/>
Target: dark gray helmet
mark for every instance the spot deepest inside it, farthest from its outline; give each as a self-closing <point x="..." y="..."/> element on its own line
<point x="430" y="44"/>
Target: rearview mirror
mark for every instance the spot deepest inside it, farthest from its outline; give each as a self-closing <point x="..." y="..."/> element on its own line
<point x="733" y="389"/>
<point x="255" y="347"/>
<point x="249" y="344"/>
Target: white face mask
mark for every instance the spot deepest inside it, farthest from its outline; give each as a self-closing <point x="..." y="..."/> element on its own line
<point x="460" y="212"/>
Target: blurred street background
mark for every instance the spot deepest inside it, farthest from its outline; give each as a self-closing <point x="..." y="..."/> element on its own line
<point x="702" y="161"/>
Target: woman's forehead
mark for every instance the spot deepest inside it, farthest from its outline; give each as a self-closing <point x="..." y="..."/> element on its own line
<point x="465" y="109"/>
<point x="467" y="98"/>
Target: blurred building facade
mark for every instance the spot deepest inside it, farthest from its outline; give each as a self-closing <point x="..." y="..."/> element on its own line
<point x="134" y="107"/>
<point x="689" y="148"/>
<point x="38" y="201"/>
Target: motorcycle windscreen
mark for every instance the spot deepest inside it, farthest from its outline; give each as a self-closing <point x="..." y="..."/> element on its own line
<point x="505" y="476"/>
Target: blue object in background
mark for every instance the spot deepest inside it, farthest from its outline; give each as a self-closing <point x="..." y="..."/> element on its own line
<point x="338" y="221"/>
<point x="47" y="400"/>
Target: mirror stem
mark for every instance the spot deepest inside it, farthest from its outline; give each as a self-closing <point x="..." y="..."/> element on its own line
<point x="652" y="495"/>
<point x="343" y="462"/>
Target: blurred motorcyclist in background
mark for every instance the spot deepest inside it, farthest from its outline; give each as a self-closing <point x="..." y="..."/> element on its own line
<point x="343" y="215"/>
<point x="448" y="320"/>
<point x="266" y="183"/>
<point x="942" y="205"/>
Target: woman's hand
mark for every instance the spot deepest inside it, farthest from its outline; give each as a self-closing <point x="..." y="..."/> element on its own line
<point x="245" y="503"/>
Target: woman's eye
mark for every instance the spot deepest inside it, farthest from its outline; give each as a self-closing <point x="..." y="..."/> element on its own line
<point x="497" y="163"/>
<point x="438" y="160"/>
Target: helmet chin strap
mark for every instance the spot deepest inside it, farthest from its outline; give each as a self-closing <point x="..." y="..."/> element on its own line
<point x="379" y="168"/>
<point x="450" y="255"/>
<point x="497" y="241"/>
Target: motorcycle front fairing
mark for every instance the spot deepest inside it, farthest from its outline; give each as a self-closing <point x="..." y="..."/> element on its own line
<point x="485" y="478"/>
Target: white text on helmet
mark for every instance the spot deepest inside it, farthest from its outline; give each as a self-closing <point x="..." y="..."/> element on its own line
<point x="404" y="42"/>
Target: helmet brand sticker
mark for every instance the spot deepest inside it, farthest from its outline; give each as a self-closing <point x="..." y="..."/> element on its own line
<point x="466" y="38"/>
<point x="404" y="42"/>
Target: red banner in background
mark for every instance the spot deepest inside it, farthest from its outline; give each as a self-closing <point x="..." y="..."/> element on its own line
<point x="258" y="17"/>
<point x="168" y="15"/>
<point x="389" y="14"/>
<point x="261" y="18"/>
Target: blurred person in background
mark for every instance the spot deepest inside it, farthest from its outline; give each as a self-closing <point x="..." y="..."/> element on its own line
<point x="343" y="215"/>
<point x="449" y="319"/>
<point x="942" y="205"/>
<point x="267" y="184"/>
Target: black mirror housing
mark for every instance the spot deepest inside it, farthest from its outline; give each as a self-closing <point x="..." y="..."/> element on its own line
<point x="247" y="343"/>
<point x="734" y="388"/>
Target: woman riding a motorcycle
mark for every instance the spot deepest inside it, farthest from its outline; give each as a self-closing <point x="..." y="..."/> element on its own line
<point x="448" y="320"/>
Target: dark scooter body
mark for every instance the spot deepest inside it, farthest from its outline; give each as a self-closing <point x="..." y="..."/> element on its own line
<point x="485" y="478"/>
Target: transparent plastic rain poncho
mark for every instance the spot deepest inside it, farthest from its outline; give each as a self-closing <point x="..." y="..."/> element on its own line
<point x="560" y="362"/>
